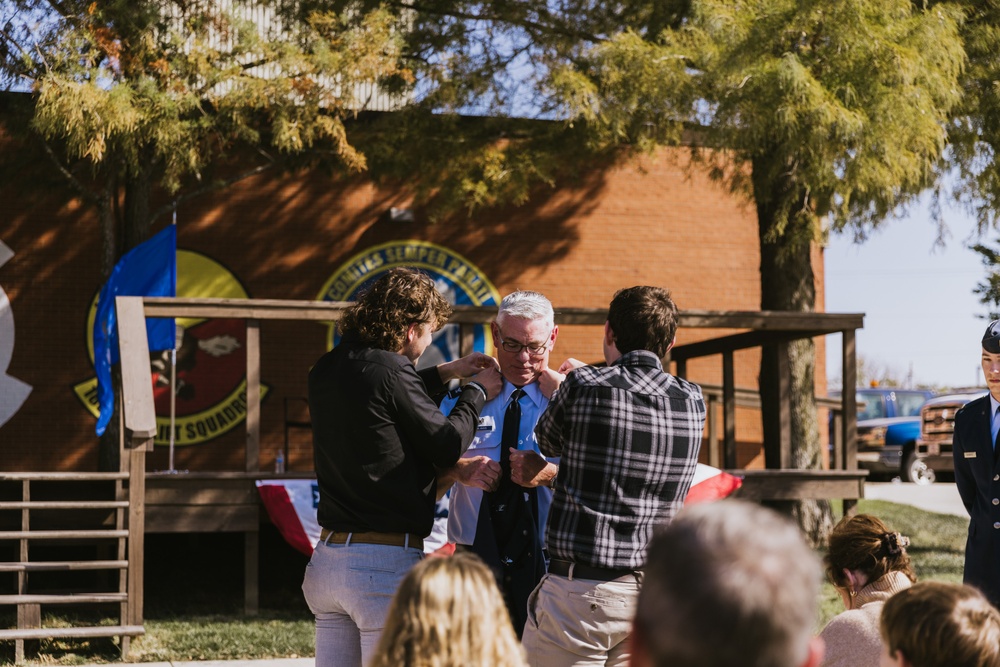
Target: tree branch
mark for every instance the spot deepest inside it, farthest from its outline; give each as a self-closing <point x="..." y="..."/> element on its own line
<point x="74" y="183"/>
<point x="211" y="187"/>
<point x="523" y="22"/>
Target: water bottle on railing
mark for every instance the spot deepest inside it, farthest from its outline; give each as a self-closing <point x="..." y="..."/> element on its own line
<point x="279" y="463"/>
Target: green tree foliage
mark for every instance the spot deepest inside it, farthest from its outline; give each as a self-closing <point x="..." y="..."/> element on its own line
<point x="974" y="138"/>
<point x="974" y="133"/>
<point x="130" y="95"/>
<point x="839" y="110"/>
<point x="989" y="289"/>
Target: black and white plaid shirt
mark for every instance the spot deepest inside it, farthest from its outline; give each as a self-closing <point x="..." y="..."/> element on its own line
<point x="628" y="435"/>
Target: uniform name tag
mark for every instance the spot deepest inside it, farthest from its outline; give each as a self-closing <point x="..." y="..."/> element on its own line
<point x="486" y="423"/>
<point x="969" y="455"/>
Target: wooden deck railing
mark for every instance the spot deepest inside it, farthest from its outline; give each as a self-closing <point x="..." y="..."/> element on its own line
<point x="751" y="329"/>
<point x="77" y="524"/>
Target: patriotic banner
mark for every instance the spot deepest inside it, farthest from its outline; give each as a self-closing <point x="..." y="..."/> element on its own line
<point x="711" y="484"/>
<point x="291" y="504"/>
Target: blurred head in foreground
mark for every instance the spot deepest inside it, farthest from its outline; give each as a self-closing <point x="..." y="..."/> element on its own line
<point x="728" y="584"/>
<point x="937" y="624"/>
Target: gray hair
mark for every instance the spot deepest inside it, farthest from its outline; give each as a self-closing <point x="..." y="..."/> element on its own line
<point x="730" y="584"/>
<point x="527" y="305"/>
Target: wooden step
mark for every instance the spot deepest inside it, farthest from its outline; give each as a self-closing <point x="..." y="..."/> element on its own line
<point x="61" y="534"/>
<point x="83" y="632"/>
<point x="62" y="476"/>
<point x="64" y="565"/>
<point x="41" y="598"/>
<point x="63" y="504"/>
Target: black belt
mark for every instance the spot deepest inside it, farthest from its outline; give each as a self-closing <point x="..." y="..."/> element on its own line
<point x="565" y="568"/>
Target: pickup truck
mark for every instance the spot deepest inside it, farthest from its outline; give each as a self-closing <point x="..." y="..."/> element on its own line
<point x="937" y="427"/>
<point x="888" y="429"/>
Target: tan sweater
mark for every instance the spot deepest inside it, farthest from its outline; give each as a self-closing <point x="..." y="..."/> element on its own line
<point x="852" y="637"/>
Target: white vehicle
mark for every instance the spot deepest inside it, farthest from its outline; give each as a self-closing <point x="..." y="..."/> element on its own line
<point x="937" y="428"/>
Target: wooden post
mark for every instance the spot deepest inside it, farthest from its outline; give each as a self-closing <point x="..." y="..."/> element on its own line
<point x="136" y="533"/>
<point x="729" y="409"/>
<point x="849" y="402"/>
<point x="714" y="457"/>
<point x="139" y="414"/>
<point x="253" y="396"/>
<point x="137" y="389"/>
<point x="28" y="615"/>
<point x="838" y="441"/>
<point x="251" y="538"/>
<point x="849" y="419"/>
<point x="251" y="572"/>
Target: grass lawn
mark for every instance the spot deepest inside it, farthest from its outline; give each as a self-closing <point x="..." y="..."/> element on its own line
<point x="194" y="595"/>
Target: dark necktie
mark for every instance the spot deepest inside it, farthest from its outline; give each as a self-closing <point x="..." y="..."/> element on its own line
<point x="509" y="435"/>
<point x="507" y="531"/>
<point x="494" y="526"/>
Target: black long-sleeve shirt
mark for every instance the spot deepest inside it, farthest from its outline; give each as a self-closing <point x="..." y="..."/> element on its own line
<point x="378" y="438"/>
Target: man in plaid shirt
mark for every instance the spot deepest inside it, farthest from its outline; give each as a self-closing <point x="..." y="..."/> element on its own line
<point x="629" y="435"/>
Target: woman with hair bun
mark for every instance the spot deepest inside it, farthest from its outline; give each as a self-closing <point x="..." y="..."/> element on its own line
<point x="867" y="564"/>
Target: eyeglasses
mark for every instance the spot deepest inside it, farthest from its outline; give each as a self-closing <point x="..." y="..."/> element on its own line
<point x="515" y="347"/>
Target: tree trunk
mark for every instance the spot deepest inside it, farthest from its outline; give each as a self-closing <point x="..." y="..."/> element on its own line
<point x="135" y="213"/>
<point x="787" y="227"/>
<point x="109" y="240"/>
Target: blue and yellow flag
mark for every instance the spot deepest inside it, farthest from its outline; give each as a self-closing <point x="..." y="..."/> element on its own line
<point x="149" y="269"/>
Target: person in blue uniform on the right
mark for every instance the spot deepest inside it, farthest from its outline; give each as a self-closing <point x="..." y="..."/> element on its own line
<point x="977" y="473"/>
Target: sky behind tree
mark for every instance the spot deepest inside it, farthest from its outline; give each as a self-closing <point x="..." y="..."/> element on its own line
<point x="922" y="320"/>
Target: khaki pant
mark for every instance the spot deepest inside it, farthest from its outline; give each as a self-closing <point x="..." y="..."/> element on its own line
<point x="580" y="622"/>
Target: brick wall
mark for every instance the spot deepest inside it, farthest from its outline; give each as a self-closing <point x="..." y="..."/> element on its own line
<point x="652" y="221"/>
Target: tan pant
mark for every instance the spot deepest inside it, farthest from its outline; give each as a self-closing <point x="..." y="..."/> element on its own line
<point x="580" y="622"/>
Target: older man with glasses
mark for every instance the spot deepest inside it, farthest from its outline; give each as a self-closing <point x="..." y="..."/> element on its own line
<point x="501" y="500"/>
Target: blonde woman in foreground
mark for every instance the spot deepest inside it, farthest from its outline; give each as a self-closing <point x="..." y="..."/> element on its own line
<point x="448" y="612"/>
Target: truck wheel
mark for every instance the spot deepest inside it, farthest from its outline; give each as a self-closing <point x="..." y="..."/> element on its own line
<point x="916" y="471"/>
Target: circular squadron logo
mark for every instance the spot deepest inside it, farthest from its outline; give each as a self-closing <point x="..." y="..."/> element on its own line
<point x="458" y="279"/>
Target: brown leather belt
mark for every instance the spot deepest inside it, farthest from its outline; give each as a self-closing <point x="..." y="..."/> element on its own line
<point x="327" y="536"/>
<point x="565" y="568"/>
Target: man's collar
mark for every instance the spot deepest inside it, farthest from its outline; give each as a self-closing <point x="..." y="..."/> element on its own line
<point x="638" y="358"/>
<point x="994" y="404"/>
<point x="532" y="390"/>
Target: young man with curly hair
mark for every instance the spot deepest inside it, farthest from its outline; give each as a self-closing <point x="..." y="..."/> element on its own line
<point x="379" y="440"/>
